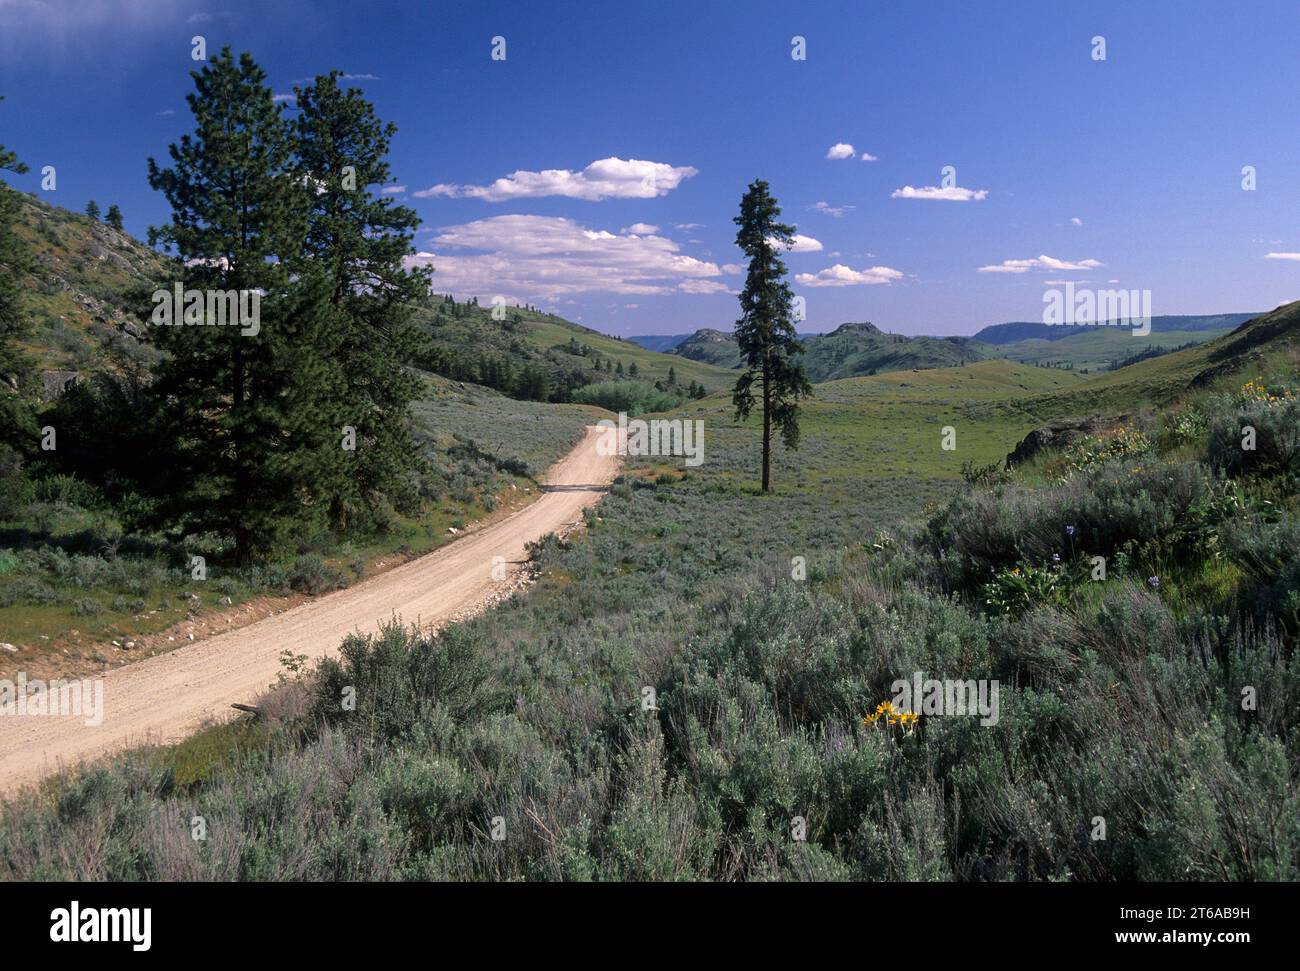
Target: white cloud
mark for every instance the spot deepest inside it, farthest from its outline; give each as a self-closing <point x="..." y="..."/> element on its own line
<point x="687" y="227"/>
<point x="392" y="190"/>
<point x="1039" y="263"/>
<point x="840" y="275"/>
<point x="641" y="229"/>
<point x="1282" y="256"/>
<point x="950" y="194"/>
<point x="285" y="97"/>
<point x="546" y="257"/>
<point x="1076" y="221"/>
<point x="827" y="209"/>
<point x="603" y="179"/>
<point x="732" y="268"/>
<point x="868" y="157"/>
<point x="841" y="150"/>
<point x="801" y="244"/>
<point x="702" y="286"/>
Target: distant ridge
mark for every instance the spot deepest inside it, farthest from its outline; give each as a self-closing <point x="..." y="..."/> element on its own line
<point x="1011" y="333"/>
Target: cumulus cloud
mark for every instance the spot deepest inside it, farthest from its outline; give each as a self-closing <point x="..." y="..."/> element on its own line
<point x="800" y="244"/>
<point x="1076" y="221"/>
<point x="827" y="209"/>
<point x="840" y="275"/>
<point x="1282" y="256"/>
<point x="1039" y="263"/>
<point x="545" y="257"/>
<point x="606" y="178"/>
<point x="841" y="150"/>
<point x="641" y="229"/>
<point x="392" y="190"/>
<point x="952" y="193"/>
<point x="868" y="157"/>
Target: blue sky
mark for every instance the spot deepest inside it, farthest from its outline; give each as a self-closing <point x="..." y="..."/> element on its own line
<point x="1067" y="168"/>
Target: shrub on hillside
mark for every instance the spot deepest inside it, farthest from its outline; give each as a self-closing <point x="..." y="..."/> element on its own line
<point x="312" y="575"/>
<point x="1259" y="438"/>
<point x="632" y="397"/>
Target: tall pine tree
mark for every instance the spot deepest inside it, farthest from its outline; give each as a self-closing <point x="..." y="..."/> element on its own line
<point x="114" y="218"/>
<point x="765" y="331"/>
<point x="249" y="413"/>
<point x="359" y="239"/>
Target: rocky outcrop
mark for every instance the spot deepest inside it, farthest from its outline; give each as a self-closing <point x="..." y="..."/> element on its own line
<point x="1058" y="434"/>
<point x="54" y="383"/>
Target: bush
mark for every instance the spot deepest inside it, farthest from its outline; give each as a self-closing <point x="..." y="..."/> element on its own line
<point x="632" y="397"/>
<point x="312" y="575"/>
<point x="1276" y="443"/>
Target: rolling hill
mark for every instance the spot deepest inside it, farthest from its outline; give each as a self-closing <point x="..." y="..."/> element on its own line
<point x="88" y="283"/>
<point x="79" y="292"/>
<point x="851" y="349"/>
<point x="1016" y="331"/>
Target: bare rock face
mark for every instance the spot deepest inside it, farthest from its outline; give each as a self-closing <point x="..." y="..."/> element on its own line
<point x="54" y="383"/>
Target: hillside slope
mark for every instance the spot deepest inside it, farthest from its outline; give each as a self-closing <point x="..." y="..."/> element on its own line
<point x="850" y="350"/>
<point x="1022" y="330"/>
<point x="81" y="290"/>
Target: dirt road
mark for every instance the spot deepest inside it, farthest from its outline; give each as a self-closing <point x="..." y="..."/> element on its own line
<point x="166" y="697"/>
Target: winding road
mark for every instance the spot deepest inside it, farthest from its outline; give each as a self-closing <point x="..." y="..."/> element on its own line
<point x="166" y="697"/>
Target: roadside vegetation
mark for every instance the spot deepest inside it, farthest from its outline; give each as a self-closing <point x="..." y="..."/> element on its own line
<point x="1126" y="748"/>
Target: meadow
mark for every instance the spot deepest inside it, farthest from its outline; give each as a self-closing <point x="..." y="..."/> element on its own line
<point x="1125" y="747"/>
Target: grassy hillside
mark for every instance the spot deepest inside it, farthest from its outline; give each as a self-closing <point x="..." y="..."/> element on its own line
<point x="79" y="290"/>
<point x="465" y="341"/>
<point x="78" y="572"/>
<point x="850" y="349"/>
<point x="1097" y="348"/>
<point x="1015" y="332"/>
<point x="772" y="629"/>
<point x="771" y="648"/>
<point x="1268" y="343"/>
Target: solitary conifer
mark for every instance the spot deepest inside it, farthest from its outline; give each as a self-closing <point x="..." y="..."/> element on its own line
<point x="765" y="331"/>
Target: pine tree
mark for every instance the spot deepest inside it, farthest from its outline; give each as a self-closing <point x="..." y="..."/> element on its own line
<point x="362" y="239"/>
<point x="17" y="370"/>
<point x="114" y="218"/>
<point x="765" y="331"/>
<point x="92" y="210"/>
<point x="248" y="413"/>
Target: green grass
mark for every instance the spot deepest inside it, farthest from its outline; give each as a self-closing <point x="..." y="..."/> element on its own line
<point x="1098" y="348"/>
<point x="890" y="426"/>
